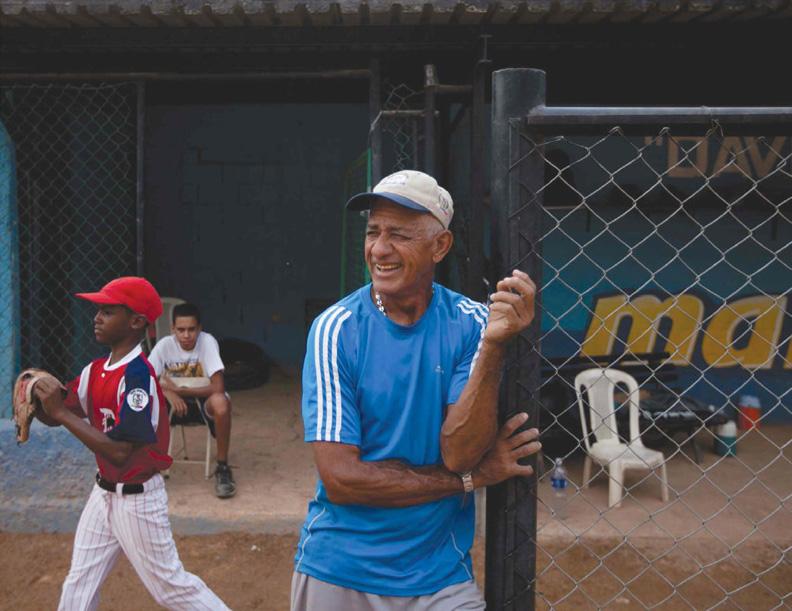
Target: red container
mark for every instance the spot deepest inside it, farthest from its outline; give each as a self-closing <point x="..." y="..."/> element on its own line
<point x="749" y="418"/>
<point x="749" y="413"/>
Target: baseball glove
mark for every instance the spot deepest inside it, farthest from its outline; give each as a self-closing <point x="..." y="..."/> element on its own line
<point x="26" y="403"/>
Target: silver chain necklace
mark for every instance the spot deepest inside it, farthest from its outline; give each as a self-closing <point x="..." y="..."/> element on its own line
<point x="381" y="307"/>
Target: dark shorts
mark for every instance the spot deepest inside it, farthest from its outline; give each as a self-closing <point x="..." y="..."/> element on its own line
<point x="196" y="414"/>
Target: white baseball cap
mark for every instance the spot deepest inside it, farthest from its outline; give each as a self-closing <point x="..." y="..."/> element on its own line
<point x="411" y="189"/>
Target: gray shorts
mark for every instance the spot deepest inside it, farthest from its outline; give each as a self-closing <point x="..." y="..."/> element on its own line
<point x="309" y="594"/>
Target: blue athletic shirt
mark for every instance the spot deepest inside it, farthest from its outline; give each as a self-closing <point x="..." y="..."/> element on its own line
<point x="370" y="382"/>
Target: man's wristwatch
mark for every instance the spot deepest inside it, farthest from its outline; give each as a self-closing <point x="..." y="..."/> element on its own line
<point x="467" y="481"/>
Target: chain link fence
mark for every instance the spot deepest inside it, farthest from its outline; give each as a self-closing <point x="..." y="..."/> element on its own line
<point x="67" y="214"/>
<point x="401" y="121"/>
<point x="354" y="273"/>
<point x="402" y="126"/>
<point x="664" y="253"/>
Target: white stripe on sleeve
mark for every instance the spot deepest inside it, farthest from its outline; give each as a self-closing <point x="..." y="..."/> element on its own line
<point x="318" y="371"/>
<point x="480" y="313"/>
<point x="328" y="387"/>
<point x="327" y="374"/>
<point x="335" y="375"/>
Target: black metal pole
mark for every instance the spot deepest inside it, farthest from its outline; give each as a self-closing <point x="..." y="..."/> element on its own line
<point x="571" y="117"/>
<point x="375" y="135"/>
<point x="476" y="289"/>
<point x="183" y="76"/>
<point x="430" y="83"/>
<point x="140" y="207"/>
<point x="516" y="210"/>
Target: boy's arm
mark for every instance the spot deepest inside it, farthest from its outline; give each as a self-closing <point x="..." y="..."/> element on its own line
<point x="115" y="452"/>
<point x="45" y="419"/>
<point x="72" y="403"/>
<point x="173" y="399"/>
<point x="216" y="385"/>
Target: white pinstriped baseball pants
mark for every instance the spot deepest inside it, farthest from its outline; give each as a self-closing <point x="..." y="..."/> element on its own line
<point x="138" y="526"/>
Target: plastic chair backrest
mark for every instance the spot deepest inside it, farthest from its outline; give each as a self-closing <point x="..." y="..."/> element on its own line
<point x="600" y="385"/>
<point x="163" y="323"/>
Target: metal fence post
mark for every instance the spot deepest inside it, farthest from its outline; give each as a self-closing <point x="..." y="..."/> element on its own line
<point x="516" y="230"/>
<point x="375" y="107"/>
<point x="140" y="206"/>
<point x="430" y="83"/>
<point x="475" y="285"/>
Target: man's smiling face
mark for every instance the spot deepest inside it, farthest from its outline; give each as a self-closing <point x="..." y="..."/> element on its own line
<point x="400" y="248"/>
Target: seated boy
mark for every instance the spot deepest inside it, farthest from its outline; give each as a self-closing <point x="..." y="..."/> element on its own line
<point x="191" y="353"/>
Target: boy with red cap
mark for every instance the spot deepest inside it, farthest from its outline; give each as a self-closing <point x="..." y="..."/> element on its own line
<point x="127" y="429"/>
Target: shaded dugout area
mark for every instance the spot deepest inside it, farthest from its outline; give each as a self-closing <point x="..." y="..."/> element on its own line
<point x="244" y="213"/>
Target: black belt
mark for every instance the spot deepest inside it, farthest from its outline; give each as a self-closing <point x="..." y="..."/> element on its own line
<point x="111" y="487"/>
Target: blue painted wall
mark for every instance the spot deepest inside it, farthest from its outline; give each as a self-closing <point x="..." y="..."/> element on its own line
<point x="243" y="213"/>
<point x="9" y="273"/>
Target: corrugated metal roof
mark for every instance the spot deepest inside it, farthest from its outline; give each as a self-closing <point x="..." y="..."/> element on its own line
<point x="292" y="13"/>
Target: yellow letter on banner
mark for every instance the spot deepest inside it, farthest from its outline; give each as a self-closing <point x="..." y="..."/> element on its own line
<point x="763" y="165"/>
<point x="788" y="359"/>
<point x="765" y="313"/>
<point x="646" y="313"/>
<point x="732" y="157"/>
<point x="685" y="313"/>
<point x="685" y="169"/>
<point x="601" y="332"/>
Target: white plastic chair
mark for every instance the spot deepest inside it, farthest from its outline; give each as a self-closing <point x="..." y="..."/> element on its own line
<point x="162" y="326"/>
<point x="191" y="382"/>
<point x="608" y="450"/>
<point x="183" y="450"/>
<point x="164" y="322"/>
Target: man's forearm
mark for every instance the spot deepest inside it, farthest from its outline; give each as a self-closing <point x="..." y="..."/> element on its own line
<point x="392" y="483"/>
<point x="471" y="424"/>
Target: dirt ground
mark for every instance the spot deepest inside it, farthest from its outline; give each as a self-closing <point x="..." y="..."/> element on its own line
<point x="723" y="541"/>
<point x="253" y="573"/>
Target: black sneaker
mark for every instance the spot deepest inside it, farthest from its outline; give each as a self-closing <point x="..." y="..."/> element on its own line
<point x="224" y="482"/>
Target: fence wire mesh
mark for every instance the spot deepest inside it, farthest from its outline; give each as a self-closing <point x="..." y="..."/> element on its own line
<point x="401" y="121"/>
<point x="354" y="273"/>
<point x="68" y="187"/>
<point x="665" y="256"/>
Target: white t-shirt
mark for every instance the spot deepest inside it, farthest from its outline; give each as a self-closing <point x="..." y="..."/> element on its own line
<point x="170" y="360"/>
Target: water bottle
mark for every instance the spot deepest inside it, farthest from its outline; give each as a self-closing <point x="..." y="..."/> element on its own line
<point x="560" y="497"/>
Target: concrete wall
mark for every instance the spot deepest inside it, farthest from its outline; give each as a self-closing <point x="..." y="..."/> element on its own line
<point x="243" y="213"/>
<point x="44" y="482"/>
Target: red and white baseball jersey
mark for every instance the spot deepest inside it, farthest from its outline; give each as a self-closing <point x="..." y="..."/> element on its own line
<point x="124" y="401"/>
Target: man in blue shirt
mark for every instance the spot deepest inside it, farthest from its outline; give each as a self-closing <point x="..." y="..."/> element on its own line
<point x="400" y="387"/>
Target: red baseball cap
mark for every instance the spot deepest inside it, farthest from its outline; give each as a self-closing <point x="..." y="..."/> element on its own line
<point x="135" y="293"/>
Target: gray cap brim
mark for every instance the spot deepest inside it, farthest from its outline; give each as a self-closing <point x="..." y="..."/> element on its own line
<point x="364" y="201"/>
